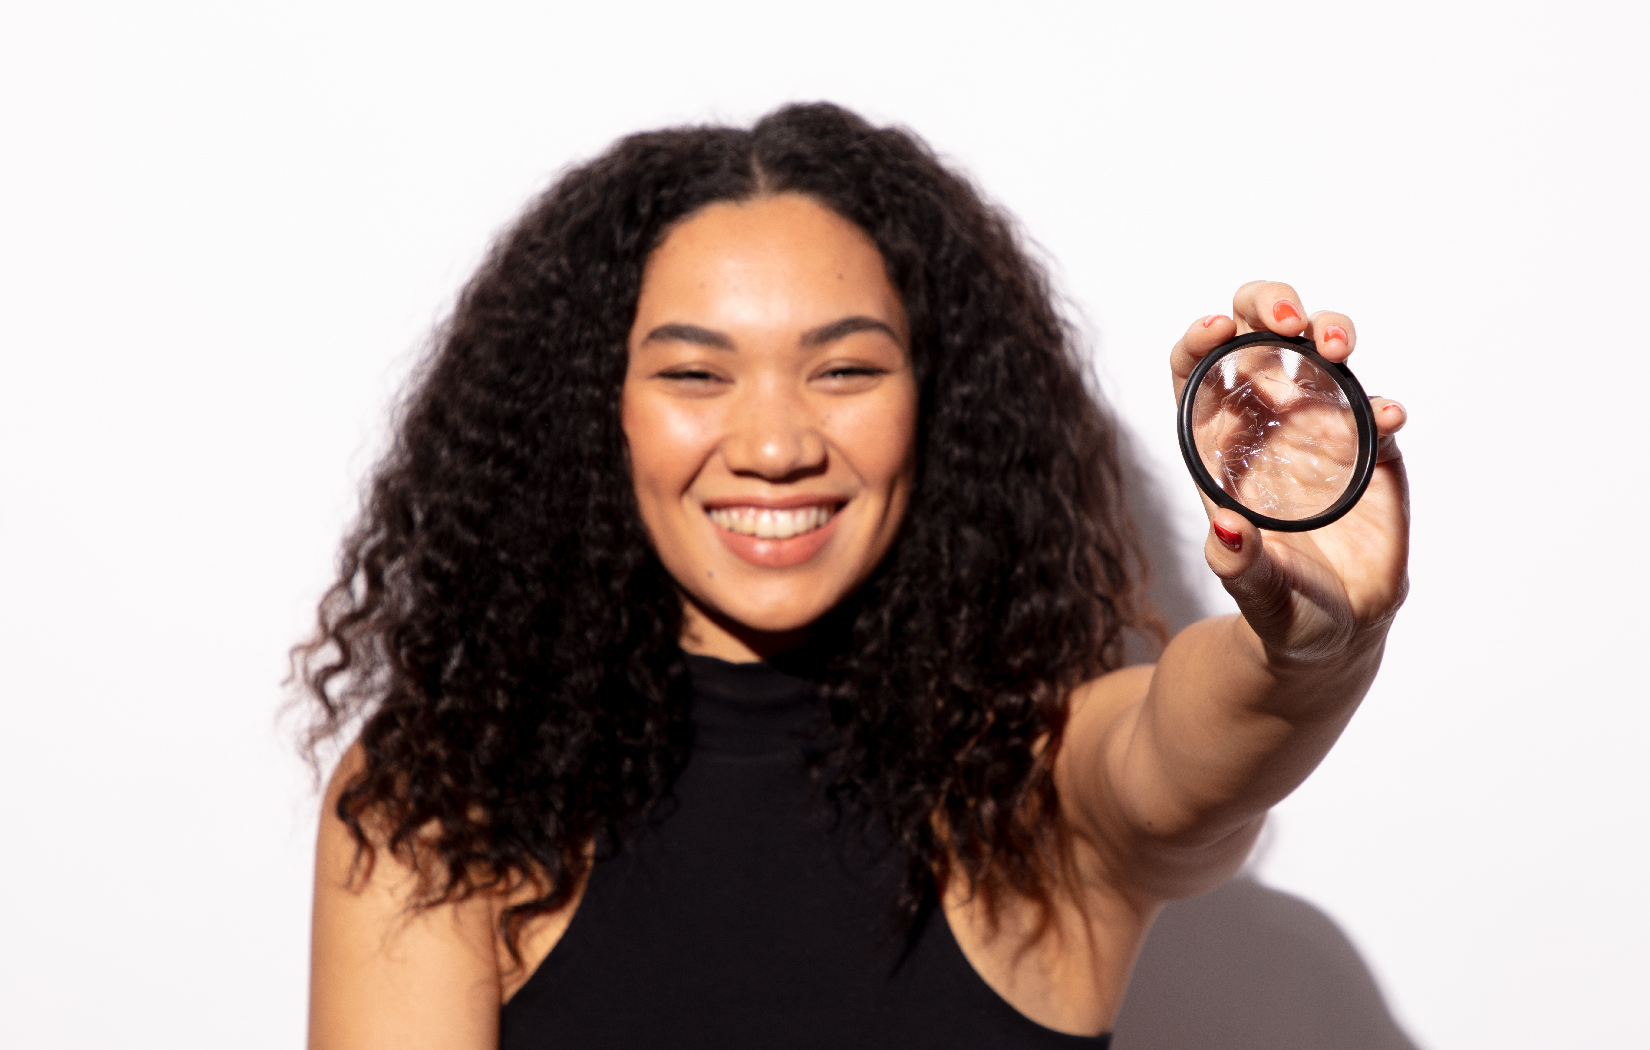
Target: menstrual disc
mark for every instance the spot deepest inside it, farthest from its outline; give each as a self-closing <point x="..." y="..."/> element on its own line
<point x="1275" y="432"/>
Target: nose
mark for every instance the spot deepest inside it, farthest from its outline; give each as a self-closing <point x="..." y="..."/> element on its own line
<point x="773" y="435"/>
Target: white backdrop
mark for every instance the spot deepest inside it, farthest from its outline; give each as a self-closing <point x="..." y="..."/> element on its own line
<point x="225" y="230"/>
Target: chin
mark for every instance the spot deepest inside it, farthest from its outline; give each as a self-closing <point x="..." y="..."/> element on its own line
<point x="782" y="618"/>
<point x="778" y="608"/>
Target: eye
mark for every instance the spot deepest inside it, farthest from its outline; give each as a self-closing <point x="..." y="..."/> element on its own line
<point x="690" y="374"/>
<point x="848" y="371"/>
<point x="849" y="377"/>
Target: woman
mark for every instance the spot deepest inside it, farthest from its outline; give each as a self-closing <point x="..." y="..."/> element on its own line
<point x="737" y="627"/>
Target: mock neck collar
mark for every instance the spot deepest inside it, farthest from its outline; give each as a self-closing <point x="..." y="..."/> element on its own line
<point x="751" y="709"/>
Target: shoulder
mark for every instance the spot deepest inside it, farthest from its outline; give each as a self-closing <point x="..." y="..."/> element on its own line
<point x="1102" y="699"/>
<point x="384" y="972"/>
<point x="1100" y="717"/>
<point x="1098" y="712"/>
<point x="1106" y="781"/>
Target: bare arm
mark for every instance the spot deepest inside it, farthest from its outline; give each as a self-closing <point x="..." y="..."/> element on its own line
<point x="1167" y="772"/>
<point x="381" y="976"/>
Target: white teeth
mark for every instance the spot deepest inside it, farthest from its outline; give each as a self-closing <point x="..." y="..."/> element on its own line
<point x="768" y="524"/>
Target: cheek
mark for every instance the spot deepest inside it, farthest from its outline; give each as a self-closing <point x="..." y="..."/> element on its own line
<point x="668" y="442"/>
<point x="882" y="441"/>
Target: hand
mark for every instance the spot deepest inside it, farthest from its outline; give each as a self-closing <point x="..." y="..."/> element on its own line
<point x="1320" y="594"/>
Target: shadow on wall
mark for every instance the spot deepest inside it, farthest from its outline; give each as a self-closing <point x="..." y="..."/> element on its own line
<point x="1249" y="968"/>
<point x="1173" y="593"/>
<point x="1244" y="967"/>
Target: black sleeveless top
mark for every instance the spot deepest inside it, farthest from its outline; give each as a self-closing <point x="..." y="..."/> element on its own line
<point x="746" y="915"/>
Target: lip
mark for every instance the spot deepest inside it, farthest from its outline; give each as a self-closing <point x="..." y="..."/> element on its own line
<point x="776" y="554"/>
<point x="775" y="502"/>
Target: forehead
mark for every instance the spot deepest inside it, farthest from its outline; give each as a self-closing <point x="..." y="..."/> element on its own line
<point x="777" y="260"/>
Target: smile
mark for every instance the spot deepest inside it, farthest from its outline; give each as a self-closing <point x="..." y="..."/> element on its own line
<point x="769" y="523"/>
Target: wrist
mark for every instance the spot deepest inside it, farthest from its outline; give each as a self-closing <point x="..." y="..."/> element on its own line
<point x="1313" y="674"/>
<point x="1312" y="645"/>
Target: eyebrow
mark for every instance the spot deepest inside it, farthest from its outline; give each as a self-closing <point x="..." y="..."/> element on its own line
<point x="689" y="333"/>
<point x="812" y="339"/>
<point x="830" y="333"/>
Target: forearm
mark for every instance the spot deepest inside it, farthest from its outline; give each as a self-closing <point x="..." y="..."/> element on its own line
<point x="1229" y="726"/>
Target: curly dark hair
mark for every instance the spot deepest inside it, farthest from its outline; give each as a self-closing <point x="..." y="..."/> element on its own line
<point x="504" y="630"/>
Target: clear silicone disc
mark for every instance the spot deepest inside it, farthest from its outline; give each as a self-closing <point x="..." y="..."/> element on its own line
<point x="1276" y="432"/>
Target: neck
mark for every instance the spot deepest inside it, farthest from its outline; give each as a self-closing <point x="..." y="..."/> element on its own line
<point x="707" y="632"/>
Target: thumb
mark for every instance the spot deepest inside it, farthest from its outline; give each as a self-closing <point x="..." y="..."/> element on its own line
<point x="1237" y="555"/>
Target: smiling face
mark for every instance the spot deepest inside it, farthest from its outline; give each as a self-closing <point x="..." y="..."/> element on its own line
<point x="770" y="410"/>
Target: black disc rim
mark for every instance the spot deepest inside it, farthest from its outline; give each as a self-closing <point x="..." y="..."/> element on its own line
<point x="1363" y="471"/>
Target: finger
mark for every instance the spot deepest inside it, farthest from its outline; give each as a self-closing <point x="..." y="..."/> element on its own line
<point x="1269" y="306"/>
<point x="1390" y="418"/>
<point x="1236" y="554"/>
<point x="1332" y="334"/>
<point x="1204" y="335"/>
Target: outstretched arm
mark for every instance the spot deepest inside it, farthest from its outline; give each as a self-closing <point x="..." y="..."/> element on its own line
<point x="1167" y="771"/>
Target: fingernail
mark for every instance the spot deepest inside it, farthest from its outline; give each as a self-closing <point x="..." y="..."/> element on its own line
<point x="1334" y="333"/>
<point x="1212" y="318"/>
<point x="1232" y="540"/>
<point x="1284" y="310"/>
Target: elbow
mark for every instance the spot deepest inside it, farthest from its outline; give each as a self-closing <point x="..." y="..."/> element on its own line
<point x="1195" y="859"/>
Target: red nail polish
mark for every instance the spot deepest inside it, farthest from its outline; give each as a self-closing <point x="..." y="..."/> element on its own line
<point x="1233" y="540"/>
<point x="1212" y="318"/>
<point x="1334" y="332"/>
<point x="1284" y="310"/>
